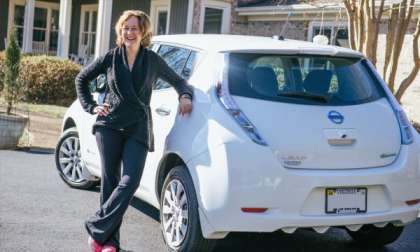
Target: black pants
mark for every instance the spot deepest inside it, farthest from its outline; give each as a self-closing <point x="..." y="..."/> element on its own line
<point x="117" y="187"/>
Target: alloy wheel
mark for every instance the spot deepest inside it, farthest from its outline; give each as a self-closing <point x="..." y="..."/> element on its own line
<point x="70" y="159"/>
<point x="175" y="213"/>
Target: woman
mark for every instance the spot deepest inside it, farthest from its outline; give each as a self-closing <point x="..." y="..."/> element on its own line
<point x="123" y="128"/>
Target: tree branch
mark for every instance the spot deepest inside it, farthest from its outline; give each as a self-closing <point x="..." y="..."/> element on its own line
<point x="381" y="11"/>
<point x="361" y="20"/>
<point x="372" y="9"/>
<point x="390" y="38"/>
<point x="414" y="71"/>
<point x="401" y="29"/>
<point x="351" y="24"/>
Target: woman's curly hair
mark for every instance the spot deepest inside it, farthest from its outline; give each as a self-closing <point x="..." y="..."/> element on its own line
<point x="145" y="26"/>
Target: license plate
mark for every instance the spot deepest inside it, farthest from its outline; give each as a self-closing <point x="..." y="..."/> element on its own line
<point x="344" y="201"/>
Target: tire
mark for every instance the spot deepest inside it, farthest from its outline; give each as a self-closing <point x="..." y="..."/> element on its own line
<point x="184" y="212"/>
<point x="371" y="236"/>
<point x="68" y="160"/>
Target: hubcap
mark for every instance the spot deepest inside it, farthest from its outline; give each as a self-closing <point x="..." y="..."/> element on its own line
<point x="69" y="159"/>
<point x="174" y="213"/>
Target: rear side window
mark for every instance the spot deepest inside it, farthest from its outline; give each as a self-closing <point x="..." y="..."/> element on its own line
<point x="302" y="79"/>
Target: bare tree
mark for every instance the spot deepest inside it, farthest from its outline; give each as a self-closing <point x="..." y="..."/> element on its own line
<point x="364" y="19"/>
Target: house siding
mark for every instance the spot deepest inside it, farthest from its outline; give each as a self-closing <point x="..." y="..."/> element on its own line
<point x="179" y="8"/>
<point x="4" y="14"/>
<point x="294" y="29"/>
<point x="75" y="23"/>
<point x="50" y="1"/>
<point x="118" y="7"/>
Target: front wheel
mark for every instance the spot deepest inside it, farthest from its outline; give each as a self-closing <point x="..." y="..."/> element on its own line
<point x="371" y="236"/>
<point x="180" y="223"/>
<point x="68" y="160"/>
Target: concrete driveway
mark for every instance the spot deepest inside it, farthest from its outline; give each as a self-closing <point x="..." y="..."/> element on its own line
<point x="38" y="212"/>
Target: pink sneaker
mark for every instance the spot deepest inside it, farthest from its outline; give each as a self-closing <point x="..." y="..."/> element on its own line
<point x="109" y="248"/>
<point x="96" y="247"/>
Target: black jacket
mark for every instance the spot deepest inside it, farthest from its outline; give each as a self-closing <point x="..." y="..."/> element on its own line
<point x="129" y="93"/>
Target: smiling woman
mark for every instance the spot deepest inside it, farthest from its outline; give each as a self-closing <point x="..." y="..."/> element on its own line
<point x="123" y="127"/>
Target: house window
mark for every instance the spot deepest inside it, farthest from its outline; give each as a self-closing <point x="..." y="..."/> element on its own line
<point x="213" y="20"/>
<point x="54" y="31"/>
<point x="45" y="31"/>
<point x="159" y="14"/>
<point x="45" y="25"/>
<point x="336" y="32"/>
<point x="162" y="21"/>
<point x="87" y="38"/>
<point x="40" y="30"/>
<point x="18" y="20"/>
<point x="215" y="17"/>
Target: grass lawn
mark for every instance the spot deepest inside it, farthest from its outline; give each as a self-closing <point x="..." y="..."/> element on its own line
<point x="52" y="111"/>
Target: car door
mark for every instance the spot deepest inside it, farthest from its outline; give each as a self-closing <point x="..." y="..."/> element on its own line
<point x="89" y="147"/>
<point x="164" y="106"/>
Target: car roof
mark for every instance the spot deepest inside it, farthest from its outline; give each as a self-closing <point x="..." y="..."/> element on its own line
<point x="242" y="43"/>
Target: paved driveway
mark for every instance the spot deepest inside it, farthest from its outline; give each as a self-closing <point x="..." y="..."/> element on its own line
<point x="38" y="212"/>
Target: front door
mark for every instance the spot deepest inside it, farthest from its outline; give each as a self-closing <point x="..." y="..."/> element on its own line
<point x="45" y="33"/>
<point x="164" y="106"/>
<point x="87" y="37"/>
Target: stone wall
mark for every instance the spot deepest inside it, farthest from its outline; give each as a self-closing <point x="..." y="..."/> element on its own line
<point x="196" y="16"/>
<point x="294" y="29"/>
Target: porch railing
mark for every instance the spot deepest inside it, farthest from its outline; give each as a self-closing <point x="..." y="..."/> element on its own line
<point x="40" y="48"/>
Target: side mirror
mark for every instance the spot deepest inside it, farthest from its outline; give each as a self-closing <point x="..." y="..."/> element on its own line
<point x="101" y="83"/>
<point x="98" y="84"/>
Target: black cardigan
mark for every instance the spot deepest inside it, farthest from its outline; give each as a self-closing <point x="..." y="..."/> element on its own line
<point x="128" y="93"/>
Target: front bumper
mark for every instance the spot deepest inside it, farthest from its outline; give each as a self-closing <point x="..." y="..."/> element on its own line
<point x="236" y="175"/>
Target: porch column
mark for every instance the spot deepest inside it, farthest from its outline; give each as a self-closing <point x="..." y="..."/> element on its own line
<point x="104" y="29"/>
<point x="64" y="28"/>
<point x="28" y="26"/>
<point x="190" y="16"/>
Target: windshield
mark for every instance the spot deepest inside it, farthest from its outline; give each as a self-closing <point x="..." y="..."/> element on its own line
<point x="305" y="79"/>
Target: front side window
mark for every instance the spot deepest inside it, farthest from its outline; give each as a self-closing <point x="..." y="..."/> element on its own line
<point x="189" y="66"/>
<point x="176" y="58"/>
<point x="302" y="79"/>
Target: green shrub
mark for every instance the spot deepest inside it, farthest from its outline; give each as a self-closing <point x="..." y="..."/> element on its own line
<point x="49" y="80"/>
<point x="12" y="86"/>
<point x="2" y="66"/>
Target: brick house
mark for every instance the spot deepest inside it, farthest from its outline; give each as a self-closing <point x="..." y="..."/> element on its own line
<point x="309" y="18"/>
<point x="83" y="29"/>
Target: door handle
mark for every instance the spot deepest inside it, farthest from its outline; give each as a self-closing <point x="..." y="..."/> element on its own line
<point x="163" y="111"/>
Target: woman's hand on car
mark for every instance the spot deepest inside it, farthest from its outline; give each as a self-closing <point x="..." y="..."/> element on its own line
<point x="102" y="110"/>
<point x="185" y="105"/>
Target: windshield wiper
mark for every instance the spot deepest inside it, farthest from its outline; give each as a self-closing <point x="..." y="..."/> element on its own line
<point x="305" y="95"/>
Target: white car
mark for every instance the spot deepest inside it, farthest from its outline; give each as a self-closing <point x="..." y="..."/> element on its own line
<point x="283" y="135"/>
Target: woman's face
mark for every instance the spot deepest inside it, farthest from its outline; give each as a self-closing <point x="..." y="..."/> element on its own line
<point x="131" y="33"/>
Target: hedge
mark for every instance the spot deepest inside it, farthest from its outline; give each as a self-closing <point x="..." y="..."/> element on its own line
<point x="46" y="79"/>
<point x="2" y="66"/>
